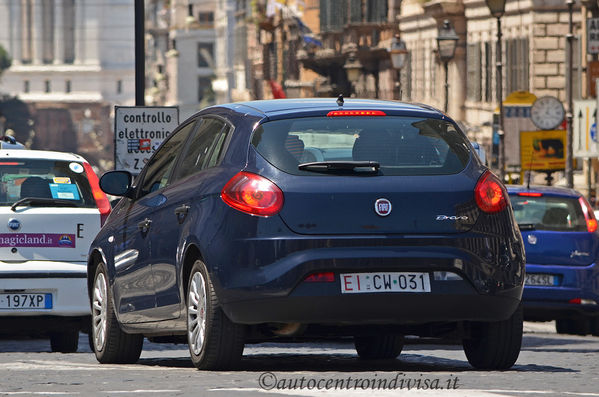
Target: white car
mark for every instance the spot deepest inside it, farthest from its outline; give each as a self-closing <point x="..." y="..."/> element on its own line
<point x="51" y="208"/>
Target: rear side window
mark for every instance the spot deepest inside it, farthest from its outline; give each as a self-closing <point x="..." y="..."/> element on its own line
<point x="402" y="145"/>
<point x="204" y="148"/>
<point x="549" y="213"/>
<point x="65" y="180"/>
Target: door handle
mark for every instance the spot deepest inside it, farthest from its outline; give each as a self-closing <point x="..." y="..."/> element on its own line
<point x="181" y="212"/>
<point x="144" y="225"/>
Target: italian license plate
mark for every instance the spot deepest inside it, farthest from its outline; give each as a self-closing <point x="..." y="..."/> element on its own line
<point x="540" y="279"/>
<point x="355" y="283"/>
<point x="25" y="301"/>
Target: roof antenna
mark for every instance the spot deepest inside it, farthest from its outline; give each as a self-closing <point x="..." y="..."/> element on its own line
<point x="340" y="100"/>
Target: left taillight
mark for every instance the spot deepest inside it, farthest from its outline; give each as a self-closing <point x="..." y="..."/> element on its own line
<point x="589" y="215"/>
<point x="253" y="194"/>
<point x="490" y="194"/>
<point x="100" y="197"/>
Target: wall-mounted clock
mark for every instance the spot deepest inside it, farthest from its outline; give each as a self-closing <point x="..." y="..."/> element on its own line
<point x="547" y="112"/>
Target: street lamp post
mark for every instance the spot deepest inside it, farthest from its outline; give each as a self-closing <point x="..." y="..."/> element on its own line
<point x="399" y="55"/>
<point x="447" y="41"/>
<point x="569" y="132"/>
<point x="497" y="9"/>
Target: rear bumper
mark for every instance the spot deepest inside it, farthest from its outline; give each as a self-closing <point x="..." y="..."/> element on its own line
<point x="545" y="303"/>
<point x="277" y="292"/>
<point x="454" y="301"/>
<point x="66" y="281"/>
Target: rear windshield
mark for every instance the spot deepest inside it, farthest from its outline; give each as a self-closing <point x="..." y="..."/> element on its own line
<point x="65" y="180"/>
<point x="549" y="213"/>
<point x="402" y="145"/>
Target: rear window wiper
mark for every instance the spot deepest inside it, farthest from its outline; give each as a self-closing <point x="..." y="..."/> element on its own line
<point x="51" y="202"/>
<point x="333" y="166"/>
<point x="527" y="226"/>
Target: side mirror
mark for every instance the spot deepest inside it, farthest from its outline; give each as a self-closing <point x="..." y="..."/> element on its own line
<point x="116" y="183"/>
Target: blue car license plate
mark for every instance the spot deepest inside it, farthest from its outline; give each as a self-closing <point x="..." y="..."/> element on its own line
<point x="540" y="279"/>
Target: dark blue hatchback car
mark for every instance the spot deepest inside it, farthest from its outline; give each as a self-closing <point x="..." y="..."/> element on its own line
<point x="562" y="248"/>
<point x="290" y="219"/>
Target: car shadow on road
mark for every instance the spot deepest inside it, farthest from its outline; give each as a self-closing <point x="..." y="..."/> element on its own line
<point x="563" y="343"/>
<point x="293" y="362"/>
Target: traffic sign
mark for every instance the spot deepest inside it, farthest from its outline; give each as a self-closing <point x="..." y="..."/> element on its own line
<point x="584" y="142"/>
<point x="138" y="131"/>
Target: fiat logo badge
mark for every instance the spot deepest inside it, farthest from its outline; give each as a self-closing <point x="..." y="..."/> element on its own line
<point x="14" y="224"/>
<point x="382" y="207"/>
<point x="532" y="239"/>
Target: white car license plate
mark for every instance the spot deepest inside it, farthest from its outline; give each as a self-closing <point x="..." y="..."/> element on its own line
<point x="539" y="279"/>
<point x="25" y="301"/>
<point x="355" y="283"/>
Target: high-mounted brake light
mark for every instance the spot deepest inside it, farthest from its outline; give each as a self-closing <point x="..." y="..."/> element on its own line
<point x="10" y="163"/>
<point x="100" y="197"/>
<point x="341" y="113"/>
<point x="589" y="215"/>
<point x="326" y="277"/>
<point x="253" y="194"/>
<point x="530" y="194"/>
<point x="490" y="194"/>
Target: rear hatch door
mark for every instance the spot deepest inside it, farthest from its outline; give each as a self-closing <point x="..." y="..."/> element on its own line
<point x="371" y="174"/>
<point x="554" y="230"/>
<point x="47" y="210"/>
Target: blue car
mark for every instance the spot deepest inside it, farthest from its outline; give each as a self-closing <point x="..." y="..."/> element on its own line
<point x="314" y="218"/>
<point x="562" y="276"/>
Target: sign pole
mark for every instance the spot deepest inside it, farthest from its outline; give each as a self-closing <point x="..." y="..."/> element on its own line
<point x="140" y="56"/>
<point x="569" y="116"/>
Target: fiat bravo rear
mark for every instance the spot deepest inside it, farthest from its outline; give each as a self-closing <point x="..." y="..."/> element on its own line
<point x="305" y="219"/>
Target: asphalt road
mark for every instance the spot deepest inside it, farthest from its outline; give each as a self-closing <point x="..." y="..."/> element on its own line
<point x="549" y="365"/>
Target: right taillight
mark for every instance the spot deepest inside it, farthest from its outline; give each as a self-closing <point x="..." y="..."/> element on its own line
<point x="589" y="215"/>
<point x="490" y="194"/>
<point x="253" y="194"/>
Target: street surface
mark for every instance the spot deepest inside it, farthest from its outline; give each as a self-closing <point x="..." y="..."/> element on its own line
<point x="549" y="365"/>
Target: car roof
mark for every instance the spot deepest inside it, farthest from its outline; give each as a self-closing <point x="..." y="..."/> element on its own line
<point x="547" y="190"/>
<point x="277" y="108"/>
<point x="40" y="154"/>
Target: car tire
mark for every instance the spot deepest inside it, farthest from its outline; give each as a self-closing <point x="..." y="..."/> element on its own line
<point x="110" y="344"/>
<point x="574" y="326"/>
<point x="594" y="322"/>
<point x="214" y="341"/>
<point x="65" y="342"/>
<point x="380" y="347"/>
<point x="495" y="345"/>
<point x="562" y="326"/>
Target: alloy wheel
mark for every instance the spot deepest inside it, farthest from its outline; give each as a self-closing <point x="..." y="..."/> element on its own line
<point x="196" y="313"/>
<point x="99" y="307"/>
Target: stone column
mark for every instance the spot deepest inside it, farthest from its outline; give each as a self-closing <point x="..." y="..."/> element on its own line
<point x="58" y="32"/>
<point x="80" y="31"/>
<point x="36" y="16"/>
<point x="15" y="33"/>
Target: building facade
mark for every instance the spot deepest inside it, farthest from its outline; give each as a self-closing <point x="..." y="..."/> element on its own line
<point x="186" y="65"/>
<point x="72" y="61"/>
<point x="533" y="60"/>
